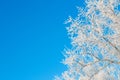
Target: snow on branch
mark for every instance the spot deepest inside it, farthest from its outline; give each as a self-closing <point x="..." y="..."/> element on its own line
<point x="95" y="39"/>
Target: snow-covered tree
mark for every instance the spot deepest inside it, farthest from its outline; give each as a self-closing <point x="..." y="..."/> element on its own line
<point x="95" y="39"/>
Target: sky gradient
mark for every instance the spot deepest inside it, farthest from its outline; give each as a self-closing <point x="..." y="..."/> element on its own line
<point x="32" y="37"/>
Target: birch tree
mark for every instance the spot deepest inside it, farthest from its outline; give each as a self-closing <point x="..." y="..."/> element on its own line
<point x="95" y="40"/>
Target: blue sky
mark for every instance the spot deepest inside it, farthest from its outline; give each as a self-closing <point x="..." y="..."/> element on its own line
<point x="32" y="37"/>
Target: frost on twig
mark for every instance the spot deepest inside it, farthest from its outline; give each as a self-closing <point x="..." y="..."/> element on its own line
<point x="95" y="39"/>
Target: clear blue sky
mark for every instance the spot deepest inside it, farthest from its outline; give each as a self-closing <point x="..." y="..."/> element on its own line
<point x="32" y="37"/>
